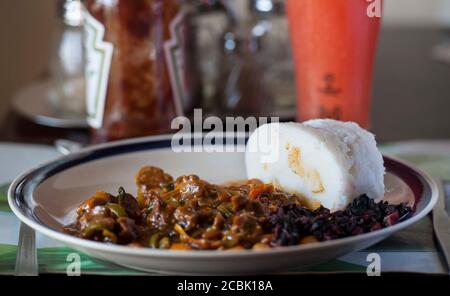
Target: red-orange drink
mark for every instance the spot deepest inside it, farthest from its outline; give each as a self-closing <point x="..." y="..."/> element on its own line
<point x="334" y="45"/>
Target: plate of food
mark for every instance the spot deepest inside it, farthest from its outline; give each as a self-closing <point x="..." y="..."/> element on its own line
<point x="291" y="195"/>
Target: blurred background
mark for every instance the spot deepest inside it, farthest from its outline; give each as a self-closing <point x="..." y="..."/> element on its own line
<point x="411" y="91"/>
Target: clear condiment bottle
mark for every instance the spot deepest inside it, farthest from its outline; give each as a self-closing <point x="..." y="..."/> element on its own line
<point x="256" y="66"/>
<point x="66" y="94"/>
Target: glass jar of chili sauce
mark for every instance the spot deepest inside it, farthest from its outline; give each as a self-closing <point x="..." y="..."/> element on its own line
<point x="139" y="73"/>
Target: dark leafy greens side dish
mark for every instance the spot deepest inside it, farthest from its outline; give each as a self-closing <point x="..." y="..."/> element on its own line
<point x="190" y="213"/>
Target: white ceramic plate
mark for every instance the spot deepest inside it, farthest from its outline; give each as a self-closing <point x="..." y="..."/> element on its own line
<point x="45" y="199"/>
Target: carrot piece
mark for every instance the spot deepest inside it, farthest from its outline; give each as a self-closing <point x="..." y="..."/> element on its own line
<point x="255" y="192"/>
<point x="180" y="246"/>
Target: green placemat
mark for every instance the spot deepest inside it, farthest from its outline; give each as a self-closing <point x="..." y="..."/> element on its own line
<point x="4" y="207"/>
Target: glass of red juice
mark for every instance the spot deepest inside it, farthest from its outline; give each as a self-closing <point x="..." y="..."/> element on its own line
<point x="334" y="44"/>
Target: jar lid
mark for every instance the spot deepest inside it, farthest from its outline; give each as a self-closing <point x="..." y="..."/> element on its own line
<point x="71" y="12"/>
<point x="274" y="7"/>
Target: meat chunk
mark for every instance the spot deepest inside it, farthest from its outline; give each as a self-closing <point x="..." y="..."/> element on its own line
<point x="129" y="231"/>
<point x="247" y="228"/>
<point x="151" y="181"/>
<point x="100" y="198"/>
<point x="150" y="177"/>
<point x="190" y="187"/>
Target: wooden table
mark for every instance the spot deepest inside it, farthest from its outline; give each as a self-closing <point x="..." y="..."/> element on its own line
<point x="16" y="128"/>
